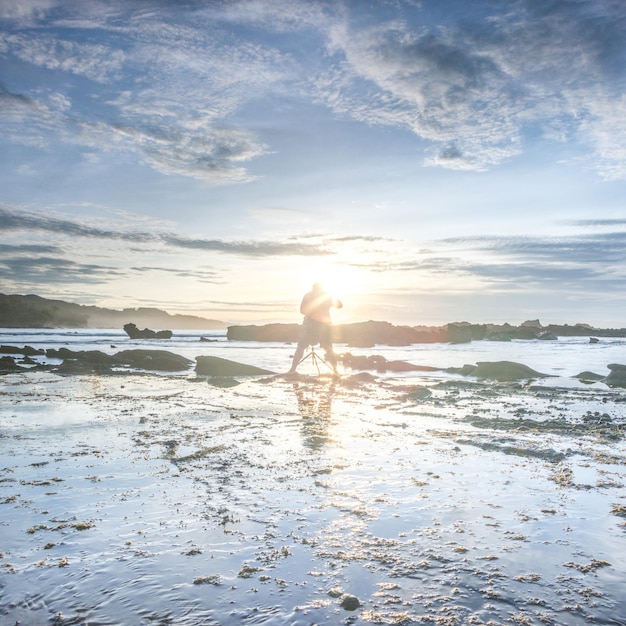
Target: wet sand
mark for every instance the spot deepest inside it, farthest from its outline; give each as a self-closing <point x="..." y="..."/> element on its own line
<point x="145" y="499"/>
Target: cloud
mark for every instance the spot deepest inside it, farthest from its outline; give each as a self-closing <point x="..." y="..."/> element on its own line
<point x="603" y="249"/>
<point x="25" y="271"/>
<point x="11" y="220"/>
<point x="581" y="263"/>
<point x="198" y="275"/>
<point x="167" y="88"/>
<point x="475" y="89"/>
<point x="27" y="249"/>
<point x="97" y="62"/>
<point x="25" y="9"/>
<point x="176" y="84"/>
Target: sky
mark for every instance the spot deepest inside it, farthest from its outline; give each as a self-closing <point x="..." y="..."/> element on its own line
<point x="428" y="161"/>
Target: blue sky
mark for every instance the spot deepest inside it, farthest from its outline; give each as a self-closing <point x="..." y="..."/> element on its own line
<point x="429" y="161"/>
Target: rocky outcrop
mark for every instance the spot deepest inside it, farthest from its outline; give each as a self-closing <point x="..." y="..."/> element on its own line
<point x="500" y="370"/>
<point x="369" y="334"/>
<point x="159" y="360"/>
<point x="381" y="364"/>
<point x="284" y="333"/>
<point x="8" y="364"/>
<point x="134" y="333"/>
<point x="26" y="350"/>
<point x="372" y="333"/>
<point x="100" y="362"/>
<point x="617" y="377"/>
<point x="217" y="366"/>
<point x="589" y="377"/>
<point x="361" y="334"/>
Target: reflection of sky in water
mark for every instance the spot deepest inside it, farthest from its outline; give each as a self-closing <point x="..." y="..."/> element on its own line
<point x="307" y="485"/>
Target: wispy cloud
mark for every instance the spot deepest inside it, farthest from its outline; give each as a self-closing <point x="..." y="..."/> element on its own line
<point x="474" y="89"/>
<point x="23" y="271"/>
<point x="11" y="221"/>
<point x="169" y="81"/>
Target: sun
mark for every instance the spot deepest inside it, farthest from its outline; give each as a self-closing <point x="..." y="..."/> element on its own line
<point x="339" y="280"/>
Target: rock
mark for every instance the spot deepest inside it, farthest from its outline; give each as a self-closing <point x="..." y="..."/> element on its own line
<point x="358" y="379"/>
<point x="532" y="324"/>
<point x="159" y="360"/>
<point x="134" y="333"/>
<point x="505" y="370"/>
<point x="593" y="340"/>
<point x="547" y="335"/>
<point x="458" y="333"/>
<point x="371" y="333"/>
<point x="216" y="366"/>
<point x="8" y="364"/>
<point x="361" y="334"/>
<point x="284" y="333"/>
<point x="418" y="394"/>
<point x="349" y="602"/>
<point x="617" y="377"/>
<point x="26" y="350"/>
<point x="95" y="357"/>
<point x="589" y="376"/>
<point x="380" y="364"/>
<point x="84" y="361"/>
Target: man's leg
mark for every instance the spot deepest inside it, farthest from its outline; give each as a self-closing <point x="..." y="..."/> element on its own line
<point x="303" y="342"/>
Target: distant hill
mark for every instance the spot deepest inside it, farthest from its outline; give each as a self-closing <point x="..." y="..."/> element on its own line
<point x="36" y="312"/>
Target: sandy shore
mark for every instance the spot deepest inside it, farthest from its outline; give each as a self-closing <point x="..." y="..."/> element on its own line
<point x="144" y="499"/>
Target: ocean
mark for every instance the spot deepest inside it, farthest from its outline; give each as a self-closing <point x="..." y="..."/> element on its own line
<point x="399" y="498"/>
<point x="563" y="358"/>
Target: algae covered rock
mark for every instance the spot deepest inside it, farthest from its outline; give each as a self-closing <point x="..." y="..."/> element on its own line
<point x="505" y="370"/>
<point x="217" y="366"/>
<point x="160" y="360"/>
<point x="617" y="377"/>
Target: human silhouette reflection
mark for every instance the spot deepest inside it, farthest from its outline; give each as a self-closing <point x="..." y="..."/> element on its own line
<point x="315" y="405"/>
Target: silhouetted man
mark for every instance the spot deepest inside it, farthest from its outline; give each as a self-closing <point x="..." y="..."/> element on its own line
<point x="316" y="326"/>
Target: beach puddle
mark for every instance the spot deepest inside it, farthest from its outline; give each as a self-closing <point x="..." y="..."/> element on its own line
<point x="148" y="500"/>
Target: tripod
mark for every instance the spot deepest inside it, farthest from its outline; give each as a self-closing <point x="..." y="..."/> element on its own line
<point x="316" y="359"/>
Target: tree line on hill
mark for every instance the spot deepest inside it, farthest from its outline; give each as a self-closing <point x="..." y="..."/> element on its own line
<point x="31" y="311"/>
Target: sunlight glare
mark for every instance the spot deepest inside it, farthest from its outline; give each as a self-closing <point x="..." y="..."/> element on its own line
<point x="341" y="281"/>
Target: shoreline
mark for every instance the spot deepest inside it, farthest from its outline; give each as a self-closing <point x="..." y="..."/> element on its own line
<point x="156" y="498"/>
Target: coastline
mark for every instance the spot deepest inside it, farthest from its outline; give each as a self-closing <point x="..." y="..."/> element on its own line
<point x="155" y="498"/>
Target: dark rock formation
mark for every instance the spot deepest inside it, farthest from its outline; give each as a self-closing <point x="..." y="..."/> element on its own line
<point x="26" y="350"/>
<point x="617" y="377"/>
<point x="419" y="393"/>
<point x="84" y="361"/>
<point x="284" y="333"/>
<point x="502" y="371"/>
<point x="159" y="360"/>
<point x="216" y="366"/>
<point x="8" y="364"/>
<point x="547" y="335"/>
<point x="134" y="333"/>
<point x="361" y="334"/>
<point x="381" y="364"/>
<point x="369" y="334"/>
<point x="372" y="333"/>
<point x="589" y="377"/>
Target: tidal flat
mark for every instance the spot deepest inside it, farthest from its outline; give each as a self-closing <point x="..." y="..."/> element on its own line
<point x="152" y="499"/>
